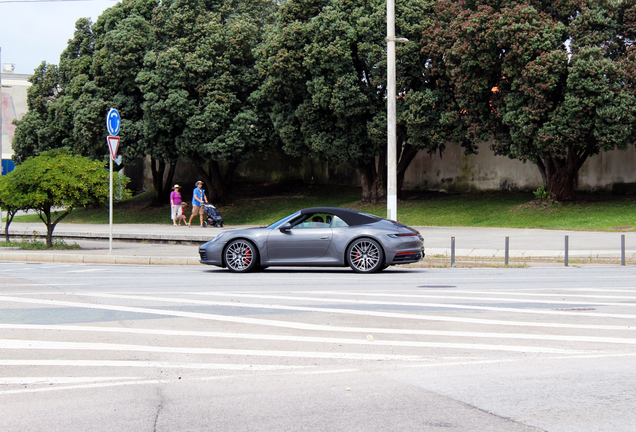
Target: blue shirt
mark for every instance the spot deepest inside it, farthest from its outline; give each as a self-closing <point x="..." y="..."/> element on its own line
<point x="197" y="193"/>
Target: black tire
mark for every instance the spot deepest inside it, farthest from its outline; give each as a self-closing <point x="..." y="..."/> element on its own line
<point x="204" y="224"/>
<point x="240" y="256"/>
<point x="221" y="224"/>
<point x="365" y="256"/>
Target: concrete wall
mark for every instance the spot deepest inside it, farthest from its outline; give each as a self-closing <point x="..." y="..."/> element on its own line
<point x="452" y="171"/>
<point x="455" y="172"/>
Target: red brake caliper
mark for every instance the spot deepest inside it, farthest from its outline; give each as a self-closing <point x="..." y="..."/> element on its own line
<point x="248" y="255"/>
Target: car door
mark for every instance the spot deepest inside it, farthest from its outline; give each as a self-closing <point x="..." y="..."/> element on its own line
<point x="301" y="243"/>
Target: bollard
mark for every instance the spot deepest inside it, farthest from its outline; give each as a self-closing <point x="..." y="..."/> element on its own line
<point x="622" y="249"/>
<point x="507" y="249"/>
<point x="452" y="251"/>
<point x="566" y="250"/>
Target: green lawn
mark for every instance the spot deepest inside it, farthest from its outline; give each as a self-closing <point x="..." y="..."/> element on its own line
<point x="263" y="206"/>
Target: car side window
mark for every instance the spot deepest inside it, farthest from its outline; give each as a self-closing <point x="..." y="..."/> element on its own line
<point x="337" y="222"/>
<point x="312" y="221"/>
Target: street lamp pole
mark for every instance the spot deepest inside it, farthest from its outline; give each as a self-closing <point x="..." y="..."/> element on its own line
<point x="391" y="197"/>
<point x="391" y="94"/>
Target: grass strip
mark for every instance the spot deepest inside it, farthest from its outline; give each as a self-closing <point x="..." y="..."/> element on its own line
<point x="594" y="212"/>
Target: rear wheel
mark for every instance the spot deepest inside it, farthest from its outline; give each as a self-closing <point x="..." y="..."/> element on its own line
<point x="240" y="256"/>
<point x="365" y="256"/>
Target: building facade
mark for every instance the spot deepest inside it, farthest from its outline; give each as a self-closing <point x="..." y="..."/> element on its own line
<point x="13" y="98"/>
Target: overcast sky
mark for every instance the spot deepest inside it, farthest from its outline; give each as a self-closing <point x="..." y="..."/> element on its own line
<point x="33" y="31"/>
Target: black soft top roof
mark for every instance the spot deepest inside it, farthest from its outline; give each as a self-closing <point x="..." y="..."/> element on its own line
<point x="351" y="217"/>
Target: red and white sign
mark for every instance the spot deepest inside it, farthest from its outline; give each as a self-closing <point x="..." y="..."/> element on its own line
<point x="113" y="145"/>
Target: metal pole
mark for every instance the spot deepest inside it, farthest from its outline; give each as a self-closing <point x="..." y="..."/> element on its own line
<point x="452" y="251"/>
<point x="507" y="249"/>
<point x="110" y="206"/>
<point x="622" y="249"/>
<point x="567" y="247"/>
<point x="391" y="197"/>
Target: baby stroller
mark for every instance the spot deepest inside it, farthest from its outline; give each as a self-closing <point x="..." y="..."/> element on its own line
<point x="213" y="216"/>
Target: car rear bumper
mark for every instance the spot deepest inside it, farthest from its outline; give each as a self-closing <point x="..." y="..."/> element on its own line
<point x="406" y="257"/>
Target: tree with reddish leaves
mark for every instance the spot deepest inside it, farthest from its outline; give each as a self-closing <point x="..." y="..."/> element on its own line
<point x="552" y="82"/>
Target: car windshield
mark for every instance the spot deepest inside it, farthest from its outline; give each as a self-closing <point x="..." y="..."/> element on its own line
<point x="283" y="220"/>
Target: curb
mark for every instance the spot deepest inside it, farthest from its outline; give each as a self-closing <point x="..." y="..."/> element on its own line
<point x="131" y="238"/>
<point x="97" y="259"/>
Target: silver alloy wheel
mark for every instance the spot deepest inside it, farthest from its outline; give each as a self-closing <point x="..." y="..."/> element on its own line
<point x="240" y="256"/>
<point x="365" y="255"/>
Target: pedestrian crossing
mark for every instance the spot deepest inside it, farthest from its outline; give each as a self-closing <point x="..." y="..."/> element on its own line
<point x="170" y="335"/>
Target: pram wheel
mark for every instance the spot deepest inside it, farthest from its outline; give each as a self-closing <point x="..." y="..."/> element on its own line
<point x="221" y="224"/>
<point x="204" y="224"/>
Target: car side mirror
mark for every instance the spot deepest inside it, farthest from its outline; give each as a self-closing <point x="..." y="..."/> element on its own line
<point x="285" y="227"/>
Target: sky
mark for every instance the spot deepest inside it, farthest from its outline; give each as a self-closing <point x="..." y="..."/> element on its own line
<point x="35" y="31"/>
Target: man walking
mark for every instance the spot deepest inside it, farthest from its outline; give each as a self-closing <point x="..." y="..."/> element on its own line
<point x="198" y="199"/>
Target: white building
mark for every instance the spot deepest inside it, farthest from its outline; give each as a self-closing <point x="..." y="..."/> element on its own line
<point x="13" y="98"/>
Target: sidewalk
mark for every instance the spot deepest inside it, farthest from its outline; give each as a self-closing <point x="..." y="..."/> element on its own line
<point x="167" y="244"/>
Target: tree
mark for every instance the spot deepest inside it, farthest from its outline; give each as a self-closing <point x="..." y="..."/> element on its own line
<point x="197" y="83"/>
<point x="551" y="82"/>
<point x="36" y="131"/>
<point x="56" y="179"/>
<point x="324" y="64"/>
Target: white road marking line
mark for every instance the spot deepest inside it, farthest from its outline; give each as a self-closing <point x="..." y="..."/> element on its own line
<point x="88" y="346"/>
<point x="311" y="339"/>
<point x="60" y="380"/>
<point x="87" y="270"/>
<point x="418" y="296"/>
<point x="84" y="386"/>
<point x="148" y="364"/>
<point x="167" y="381"/>
<point x="450" y="294"/>
<point x="303" y="326"/>
<point x="357" y="312"/>
<point x="511" y="360"/>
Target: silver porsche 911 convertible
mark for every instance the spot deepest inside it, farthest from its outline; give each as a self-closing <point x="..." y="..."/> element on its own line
<point x="319" y="236"/>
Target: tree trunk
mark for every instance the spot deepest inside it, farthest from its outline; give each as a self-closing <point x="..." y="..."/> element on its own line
<point x="368" y="180"/>
<point x="561" y="174"/>
<point x="561" y="184"/>
<point x="218" y="183"/>
<point x="50" y="225"/>
<point x="406" y="157"/>
<point x="10" y="215"/>
<point x="158" y="169"/>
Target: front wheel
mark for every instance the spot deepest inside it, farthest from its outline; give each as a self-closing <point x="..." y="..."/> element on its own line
<point x="241" y="256"/>
<point x="365" y="256"/>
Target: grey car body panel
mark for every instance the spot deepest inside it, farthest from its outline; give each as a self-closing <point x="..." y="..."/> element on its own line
<point x="321" y="246"/>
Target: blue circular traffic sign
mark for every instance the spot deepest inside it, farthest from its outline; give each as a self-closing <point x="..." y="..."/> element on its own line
<point x="113" y="121"/>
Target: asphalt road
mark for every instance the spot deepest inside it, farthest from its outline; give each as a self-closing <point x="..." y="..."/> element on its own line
<point x="139" y="348"/>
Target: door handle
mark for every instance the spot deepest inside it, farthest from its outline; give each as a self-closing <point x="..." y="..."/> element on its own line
<point x="324" y="238"/>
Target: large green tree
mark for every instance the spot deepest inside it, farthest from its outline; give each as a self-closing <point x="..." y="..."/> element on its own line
<point x="36" y="131"/>
<point x="552" y="82"/>
<point x="324" y="64"/>
<point x="197" y="84"/>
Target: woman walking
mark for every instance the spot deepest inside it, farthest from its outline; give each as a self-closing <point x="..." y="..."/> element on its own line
<point x="175" y="204"/>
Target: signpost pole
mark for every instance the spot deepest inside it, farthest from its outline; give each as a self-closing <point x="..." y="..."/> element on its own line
<point x="110" y="208"/>
<point x="113" y="122"/>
